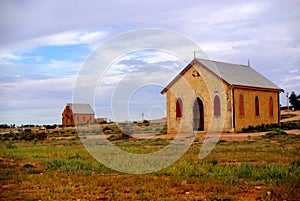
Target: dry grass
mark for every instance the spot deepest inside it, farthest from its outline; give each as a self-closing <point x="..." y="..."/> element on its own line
<point x="61" y="169"/>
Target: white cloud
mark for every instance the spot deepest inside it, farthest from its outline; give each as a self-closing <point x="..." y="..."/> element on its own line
<point x="35" y="101"/>
<point x="227" y="47"/>
<point x="29" y="90"/>
<point x="158" y="57"/>
<point x="68" y="38"/>
<point x="265" y="31"/>
<point x="11" y="51"/>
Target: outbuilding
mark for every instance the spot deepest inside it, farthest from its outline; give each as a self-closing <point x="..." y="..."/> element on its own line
<point x="75" y="114"/>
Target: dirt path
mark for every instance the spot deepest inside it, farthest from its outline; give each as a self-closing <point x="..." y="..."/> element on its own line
<point x="295" y="118"/>
<point x="249" y="136"/>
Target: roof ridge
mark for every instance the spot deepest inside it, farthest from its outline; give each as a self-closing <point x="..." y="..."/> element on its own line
<point x="223" y="62"/>
<point x="78" y="103"/>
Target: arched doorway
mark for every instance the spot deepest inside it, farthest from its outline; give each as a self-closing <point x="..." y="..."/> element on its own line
<point x="198" y="115"/>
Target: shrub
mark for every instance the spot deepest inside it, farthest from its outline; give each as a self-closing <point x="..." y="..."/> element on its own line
<point x="106" y="128"/>
<point x="10" y="145"/>
<point x="28" y="165"/>
<point x="4" y="126"/>
<point x="270" y="127"/>
<point x="274" y="133"/>
<point x="121" y="136"/>
<point x="290" y="125"/>
<point x="164" y="130"/>
<point x="214" y="162"/>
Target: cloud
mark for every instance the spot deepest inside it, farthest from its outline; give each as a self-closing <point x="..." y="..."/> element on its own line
<point x="67" y="38"/>
<point x="37" y="101"/>
<point x="12" y="52"/>
<point x="34" y="74"/>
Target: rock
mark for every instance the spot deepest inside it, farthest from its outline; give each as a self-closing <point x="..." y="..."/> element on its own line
<point x="258" y="187"/>
<point x="102" y="198"/>
<point x="127" y="190"/>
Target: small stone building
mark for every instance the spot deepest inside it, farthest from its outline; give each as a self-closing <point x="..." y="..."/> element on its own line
<point x="75" y="114"/>
<point x="220" y="97"/>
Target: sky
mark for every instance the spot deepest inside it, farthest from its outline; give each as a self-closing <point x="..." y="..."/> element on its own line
<point x="44" y="45"/>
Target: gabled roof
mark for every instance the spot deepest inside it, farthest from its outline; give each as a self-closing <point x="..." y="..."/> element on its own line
<point x="81" y="108"/>
<point x="234" y="75"/>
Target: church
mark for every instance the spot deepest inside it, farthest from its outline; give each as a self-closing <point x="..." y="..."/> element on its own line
<point x="212" y="96"/>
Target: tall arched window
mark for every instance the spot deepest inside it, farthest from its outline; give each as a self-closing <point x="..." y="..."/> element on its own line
<point x="271" y="106"/>
<point x="217" y="106"/>
<point x="179" y="108"/>
<point x="256" y="106"/>
<point x="241" y="105"/>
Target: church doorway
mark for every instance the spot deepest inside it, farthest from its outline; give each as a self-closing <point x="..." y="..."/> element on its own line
<point x="198" y="115"/>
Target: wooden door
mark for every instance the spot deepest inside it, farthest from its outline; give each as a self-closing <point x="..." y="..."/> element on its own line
<point x="198" y="115"/>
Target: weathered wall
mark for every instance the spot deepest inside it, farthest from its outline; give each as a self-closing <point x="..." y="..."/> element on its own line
<point x="67" y="117"/>
<point x="83" y="118"/>
<point x="249" y="117"/>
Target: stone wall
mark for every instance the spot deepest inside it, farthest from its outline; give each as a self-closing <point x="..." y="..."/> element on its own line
<point x="249" y="117"/>
<point x="198" y="81"/>
<point x="84" y="119"/>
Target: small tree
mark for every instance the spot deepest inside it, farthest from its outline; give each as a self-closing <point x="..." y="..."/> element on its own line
<point x="295" y="100"/>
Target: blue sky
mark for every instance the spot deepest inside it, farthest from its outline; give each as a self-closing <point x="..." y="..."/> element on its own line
<point x="44" y="44"/>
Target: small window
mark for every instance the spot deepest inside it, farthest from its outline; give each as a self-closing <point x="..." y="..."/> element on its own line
<point x="241" y="105"/>
<point x="83" y="118"/>
<point x="271" y="106"/>
<point x="178" y="108"/>
<point x="217" y="106"/>
<point x="256" y="106"/>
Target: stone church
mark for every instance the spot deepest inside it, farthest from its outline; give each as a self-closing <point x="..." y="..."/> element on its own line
<point x="211" y="96"/>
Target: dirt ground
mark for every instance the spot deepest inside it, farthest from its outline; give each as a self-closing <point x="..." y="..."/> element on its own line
<point x="251" y="136"/>
<point x="295" y="118"/>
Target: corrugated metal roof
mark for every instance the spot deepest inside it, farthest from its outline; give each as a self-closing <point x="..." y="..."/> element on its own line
<point x="81" y="108"/>
<point x="238" y="75"/>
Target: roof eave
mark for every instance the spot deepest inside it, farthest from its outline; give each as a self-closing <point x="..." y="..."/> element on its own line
<point x="257" y="88"/>
<point x="178" y="76"/>
<point x="194" y="61"/>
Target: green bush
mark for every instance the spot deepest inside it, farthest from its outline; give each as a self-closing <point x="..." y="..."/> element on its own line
<point x="270" y="127"/>
<point x="164" y="130"/>
<point x="274" y="133"/>
<point x="290" y="125"/>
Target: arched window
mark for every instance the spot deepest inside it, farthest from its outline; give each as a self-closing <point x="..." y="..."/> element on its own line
<point x="256" y="106"/>
<point x="217" y="106"/>
<point x="179" y="108"/>
<point x="271" y="106"/>
<point x="241" y="105"/>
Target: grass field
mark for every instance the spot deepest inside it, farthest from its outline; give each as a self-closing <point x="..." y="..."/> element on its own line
<point x="60" y="168"/>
